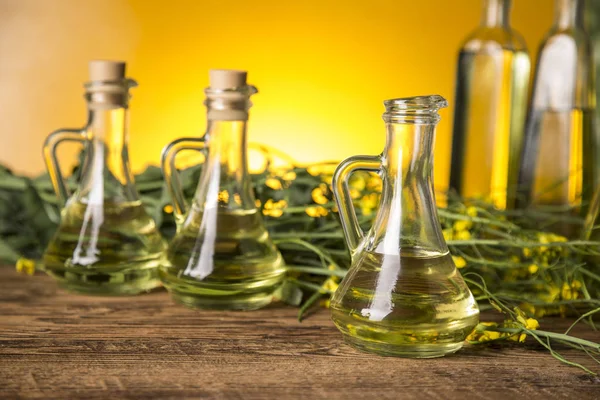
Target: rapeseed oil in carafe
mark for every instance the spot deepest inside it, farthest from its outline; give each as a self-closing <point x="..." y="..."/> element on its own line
<point x="109" y="248"/>
<point x="106" y="243"/>
<point x="242" y="271"/>
<point x="221" y="256"/>
<point x="403" y="295"/>
<point x="415" y="304"/>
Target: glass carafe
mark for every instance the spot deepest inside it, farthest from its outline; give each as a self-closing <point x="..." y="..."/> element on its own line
<point x="491" y="104"/>
<point x="222" y="256"/>
<point x="106" y="243"/>
<point x="559" y="165"/>
<point x="403" y="295"/>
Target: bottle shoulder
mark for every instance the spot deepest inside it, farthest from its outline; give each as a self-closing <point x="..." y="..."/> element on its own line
<point x="573" y="37"/>
<point x="565" y="71"/>
<point x="483" y="39"/>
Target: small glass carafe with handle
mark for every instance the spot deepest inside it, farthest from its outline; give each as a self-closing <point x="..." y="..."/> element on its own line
<point x="106" y="243"/>
<point x="403" y="295"/>
<point x="222" y="256"/>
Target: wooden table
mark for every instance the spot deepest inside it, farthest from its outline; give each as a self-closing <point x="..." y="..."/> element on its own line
<point x="58" y="345"/>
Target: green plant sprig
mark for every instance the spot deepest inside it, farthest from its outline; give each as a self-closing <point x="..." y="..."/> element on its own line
<point x="539" y="273"/>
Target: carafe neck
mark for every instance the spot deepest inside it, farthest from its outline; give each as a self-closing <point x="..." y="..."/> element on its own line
<point x="407" y="214"/>
<point x="569" y="14"/>
<point x="496" y="13"/>
<point x="227" y="147"/>
<point x="106" y="172"/>
<point x="408" y="153"/>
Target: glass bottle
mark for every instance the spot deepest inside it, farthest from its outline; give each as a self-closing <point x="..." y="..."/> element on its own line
<point x="221" y="256"/>
<point x="403" y="295"/>
<point x="559" y="159"/>
<point x="491" y="104"/>
<point x="106" y="243"/>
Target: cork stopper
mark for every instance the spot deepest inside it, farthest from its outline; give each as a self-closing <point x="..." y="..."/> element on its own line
<point x="227" y="78"/>
<point x="103" y="70"/>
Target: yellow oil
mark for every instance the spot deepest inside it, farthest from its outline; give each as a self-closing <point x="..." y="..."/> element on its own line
<point x="413" y="305"/>
<point x="105" y="249"/>
<point x="491" y="104"/>
<point x="226" y="262"/>
<point x="564" y="171"/>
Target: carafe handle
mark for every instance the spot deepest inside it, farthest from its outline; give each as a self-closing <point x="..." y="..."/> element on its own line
<point x="352" y="230"/>
<point x="169" y="154"/>
<point x="49" y="149"/>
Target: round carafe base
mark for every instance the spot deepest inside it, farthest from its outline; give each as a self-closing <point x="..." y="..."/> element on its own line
<point x="405" y="351"/>
<point x="103" y="283"/>
<point x="242" y="296"/>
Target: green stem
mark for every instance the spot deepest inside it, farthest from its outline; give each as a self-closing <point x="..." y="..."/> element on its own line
<point x="317" y="271"/>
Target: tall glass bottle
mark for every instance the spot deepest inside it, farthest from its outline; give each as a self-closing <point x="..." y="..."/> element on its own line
<point x="491" y="103"/>
<point x="106" y="243"/>
<point x="403" y="295"/>
<point x="559" y="164"/>
<point x="221" y="256"/>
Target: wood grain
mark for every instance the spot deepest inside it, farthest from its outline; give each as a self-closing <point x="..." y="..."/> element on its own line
<point x="59" y="345"/>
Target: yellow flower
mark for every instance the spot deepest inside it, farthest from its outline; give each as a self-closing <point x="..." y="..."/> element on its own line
<point x="274" y="183"/>
<point x="471" y="211"/>
<point x="529" y="323"/>
<point x="570" y="292"/>
<point x="368" y="203"/>
<point x="289" y="176"/>
<point x="318" y="196"/>
<point x="532" y="269"/>
<point x="491" y="335"/>
<point x="325" y="303"/>
<point x="355" y="194"/>
<point x="237" y="199"/>
<point x="462" y="235"/>
<point x="374" y="183"/>
<point x="459" y="262"/>
<point x="257" y="203"/>
<point x="553" y="292"/>
<point x="527" y="252"/>
<point x="532" y="324"/>
<point x="316" y="212"/>
<point x="274" y="209"/>
<point x="25" y="265"/>
<point x="168" y="209"/>
<point x="276" y="213"/>
<point x="479" y="333"/>
<point x="223" y="196"/>
<point x="462" y="225"/>
<point x="357" y="182"/>
<point x="448" y="234"/>
<point x="330" y="284"/>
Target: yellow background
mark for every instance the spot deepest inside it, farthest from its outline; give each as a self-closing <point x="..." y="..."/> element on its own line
<point x="322" y="68"/>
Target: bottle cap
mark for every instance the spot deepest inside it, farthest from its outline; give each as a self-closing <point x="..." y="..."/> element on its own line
<point x="103" y="70"/>
<point x="227" y="78"/>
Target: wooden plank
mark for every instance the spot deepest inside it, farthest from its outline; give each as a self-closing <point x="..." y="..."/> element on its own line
<point x="59" y="345"/>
